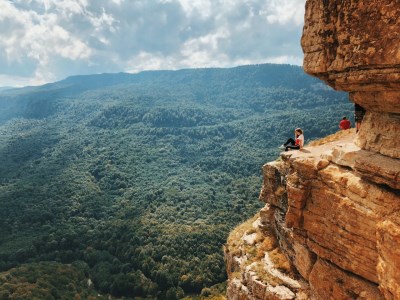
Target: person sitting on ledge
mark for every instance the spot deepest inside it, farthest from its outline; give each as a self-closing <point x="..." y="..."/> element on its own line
<point x="344" y="124"/>
<point x="294" y="144"/>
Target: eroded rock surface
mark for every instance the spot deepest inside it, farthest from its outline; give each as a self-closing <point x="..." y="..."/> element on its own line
<point x="259" y="269"/>
<point x="334" y="207"/>
<point x="336" y="222"/>
<point x="344" y="203"/>
<point x="353" y="45"/>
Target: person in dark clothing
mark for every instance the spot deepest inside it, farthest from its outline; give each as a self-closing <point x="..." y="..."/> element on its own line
<point x="359" y="113"/>
<point x="294" y="144"/>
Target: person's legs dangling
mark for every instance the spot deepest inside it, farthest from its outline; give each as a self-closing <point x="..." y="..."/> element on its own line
<point x="296" y="147"/>
<point x="290" y="141"/>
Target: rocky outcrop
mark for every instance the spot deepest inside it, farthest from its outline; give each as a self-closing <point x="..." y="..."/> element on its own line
<point x="353" y="45"/>
<point x="256" y="265"/>
<point x="334" y="207"/>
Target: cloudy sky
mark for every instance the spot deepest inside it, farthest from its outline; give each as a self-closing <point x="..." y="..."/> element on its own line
<point x="47" y="40"/>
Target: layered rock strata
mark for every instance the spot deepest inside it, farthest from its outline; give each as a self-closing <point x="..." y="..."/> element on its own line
<point x="334" y="207"/>
<point x="333" y="210"/>
<point x="257" y="267"/>
<point x="354" y="46"/>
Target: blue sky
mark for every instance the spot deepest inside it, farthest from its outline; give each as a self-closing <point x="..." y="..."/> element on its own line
<point x="47" y="40"/>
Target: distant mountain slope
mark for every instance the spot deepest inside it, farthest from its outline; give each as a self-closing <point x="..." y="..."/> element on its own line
<point x="4" y="88"/>
<point x="137" y="179"/>
<point x="267" y="75"/>
<point x="23" y="102"/>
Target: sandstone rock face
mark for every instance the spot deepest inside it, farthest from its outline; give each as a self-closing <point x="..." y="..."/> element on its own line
<point x="353" y="45"/>
<point x="379" y="133"/>
<point x="260" y="270"/>
<point x="329" y="282"/>
<point x="389" y="253"/>
<point x="333" y="208"/>
<point x="334" y="213"/>
<point x="332" y="220"/>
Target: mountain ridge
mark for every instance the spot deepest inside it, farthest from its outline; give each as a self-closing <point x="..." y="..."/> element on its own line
<point x="138" y="184"/>
<point x="123" y="77"/>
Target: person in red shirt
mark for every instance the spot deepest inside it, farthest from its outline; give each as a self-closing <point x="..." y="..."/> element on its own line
<point x="344" y="124"/>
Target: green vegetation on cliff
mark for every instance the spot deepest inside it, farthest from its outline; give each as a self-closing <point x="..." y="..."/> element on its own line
<point x="137" y="180"/>
<point x="46" y="280"/>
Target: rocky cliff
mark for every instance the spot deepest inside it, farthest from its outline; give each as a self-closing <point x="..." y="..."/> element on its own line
<point x="331" y="225"/>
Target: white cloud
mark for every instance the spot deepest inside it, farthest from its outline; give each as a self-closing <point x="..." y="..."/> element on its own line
<point x="285" y="59"/>
<point x="43" y="40"/>
<point x="284" y="11"/>
<point x="67" y="8"/>
<point x="38" y="37"/>
<point x="150" y="61"/>
<point x="201" y="7"/>
<point x="18" y="81"/>
<point x="203" y="51"/>
<point x="118" y="2"/>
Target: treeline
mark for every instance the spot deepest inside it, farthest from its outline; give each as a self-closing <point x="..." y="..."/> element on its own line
<point x="137" y="182"/>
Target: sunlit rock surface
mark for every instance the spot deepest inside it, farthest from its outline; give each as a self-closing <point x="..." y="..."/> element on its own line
<point x="328" y="215"/>
<point x="334" y="207"/>
<point x="353" y="45"/>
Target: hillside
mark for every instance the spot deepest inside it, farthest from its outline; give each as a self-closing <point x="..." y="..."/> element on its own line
<point x="4" y="88"/>
<point x="137" y="179"/>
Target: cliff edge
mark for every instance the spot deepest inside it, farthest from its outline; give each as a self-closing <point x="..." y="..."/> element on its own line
<point x="331" y="225"/>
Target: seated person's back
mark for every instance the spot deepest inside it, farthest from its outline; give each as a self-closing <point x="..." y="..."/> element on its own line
<point x="344" y="124"/>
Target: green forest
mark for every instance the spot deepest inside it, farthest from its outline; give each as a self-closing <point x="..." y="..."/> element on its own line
<point x="129" y="184"/>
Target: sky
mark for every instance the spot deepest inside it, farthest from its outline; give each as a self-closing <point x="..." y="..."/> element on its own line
<point x="48" y="40"/>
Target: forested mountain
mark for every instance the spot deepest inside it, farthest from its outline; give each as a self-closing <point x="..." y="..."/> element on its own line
<point x="135" y="181"/>
<point x="3" y="88"/>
